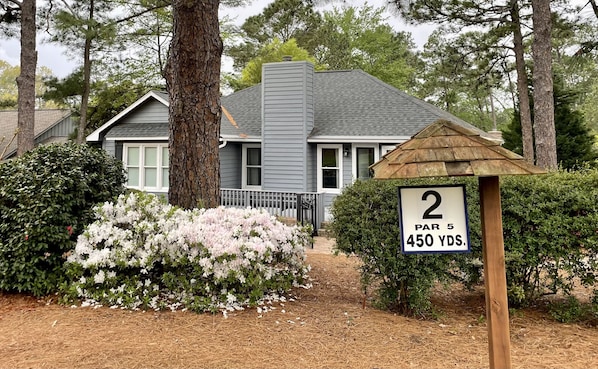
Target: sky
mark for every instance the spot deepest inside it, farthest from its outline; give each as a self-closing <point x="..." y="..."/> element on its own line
<point x="53" y="55"/>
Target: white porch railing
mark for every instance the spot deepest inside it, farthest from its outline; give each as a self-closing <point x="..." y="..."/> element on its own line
<point x="305" y="207"/>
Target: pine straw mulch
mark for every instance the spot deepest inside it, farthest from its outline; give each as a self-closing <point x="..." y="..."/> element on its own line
<point x="325" y="327"/>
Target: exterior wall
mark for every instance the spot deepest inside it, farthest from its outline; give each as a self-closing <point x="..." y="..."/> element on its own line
<point x="110" y="147"/>
<point x="58" y="133"/>
<point x="312" y="167"/>
<point x="230" y="166"/>
<point x="287" y="119"/>
<point x="151" y="112"/>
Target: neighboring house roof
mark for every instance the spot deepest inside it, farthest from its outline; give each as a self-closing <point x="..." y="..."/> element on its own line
<point x="45" y="120"/>
<point x="349" y="106"/>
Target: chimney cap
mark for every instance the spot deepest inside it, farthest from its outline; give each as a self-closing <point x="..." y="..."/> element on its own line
<point x="287" y="58"/>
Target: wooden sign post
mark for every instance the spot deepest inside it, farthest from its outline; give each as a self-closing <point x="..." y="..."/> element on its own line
<point x="495" y="280"/>
<point x="447" y="149"/>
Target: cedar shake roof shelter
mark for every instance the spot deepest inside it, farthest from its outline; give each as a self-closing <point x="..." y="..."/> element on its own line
<point x="445" y="149"/>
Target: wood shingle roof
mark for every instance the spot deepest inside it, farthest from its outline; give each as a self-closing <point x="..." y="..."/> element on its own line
<point x="447" y="149"/>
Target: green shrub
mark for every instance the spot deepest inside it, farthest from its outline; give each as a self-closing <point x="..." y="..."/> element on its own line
<point x="550" y="224"/>
<point x="46" y="199"/>
<point x="366" y="223"/>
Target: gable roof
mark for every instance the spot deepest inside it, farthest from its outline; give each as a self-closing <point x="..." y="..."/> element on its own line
<point x="45" y="119"/>
<point x="349" y="106"/>
<point x="157" y="95"/>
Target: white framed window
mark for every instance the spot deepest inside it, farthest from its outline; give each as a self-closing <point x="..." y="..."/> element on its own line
<point x="364" y="155"/>
<point x="146" y="166"/>
<point x="387" y="148"/>
<point x="252" y="167"/>
<point x="330" y="168"/>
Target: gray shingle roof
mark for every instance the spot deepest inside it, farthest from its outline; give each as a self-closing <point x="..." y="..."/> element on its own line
<point x="348" y="104"/>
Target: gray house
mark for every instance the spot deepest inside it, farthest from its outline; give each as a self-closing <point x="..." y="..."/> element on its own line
<point x="51" y="125"/>
<point x="298" y="132"/>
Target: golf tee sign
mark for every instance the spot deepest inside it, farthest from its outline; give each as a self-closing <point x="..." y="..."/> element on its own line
<point x="448" y="149"/>
<point x="433" y="219"/>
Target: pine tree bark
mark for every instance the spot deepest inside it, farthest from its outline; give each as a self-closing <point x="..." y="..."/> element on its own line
<point x="193" y="83"/>
<point x="26" y="79"/>
<point x="86" y="77"/>
<point x="525" y="115"/>
<point x="544" y="132"/>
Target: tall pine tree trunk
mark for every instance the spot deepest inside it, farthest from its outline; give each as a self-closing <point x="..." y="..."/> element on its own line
<point x="522" y="86"/>
<point x="544" y="132"/>
<point x="26" y="79"/>
<point x="193" y="83"/>
<point x="86" y="76"/>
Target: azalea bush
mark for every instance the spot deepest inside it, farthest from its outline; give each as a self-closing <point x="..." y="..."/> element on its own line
<point x="46" y="199"/>
<point x="142" y="253"/>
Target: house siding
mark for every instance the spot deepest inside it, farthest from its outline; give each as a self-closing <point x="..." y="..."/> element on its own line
<point x="230" y="166"/>
<point x="58" y="133"/>
<point x="110" y="147"/>
<point x="287" y="109"/>
<point x="152" y="111"/>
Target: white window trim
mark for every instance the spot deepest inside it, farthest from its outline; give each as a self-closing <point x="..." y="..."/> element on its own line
<point x="244" y="166"/>
<point x="339" y="158"/>
<point x="354" y="156"/>
<point x="387" y="148"/>
<point x="159" y="167"/>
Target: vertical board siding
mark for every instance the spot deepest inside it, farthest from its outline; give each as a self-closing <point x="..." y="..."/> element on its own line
<point x="287" y="110"/>
<point x="59" y="132"/>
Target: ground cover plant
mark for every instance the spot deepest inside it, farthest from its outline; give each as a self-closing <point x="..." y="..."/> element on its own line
<point x="142" y="253"/>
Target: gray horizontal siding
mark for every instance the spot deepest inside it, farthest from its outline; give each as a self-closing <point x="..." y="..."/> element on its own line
<point x="148" y="120"/>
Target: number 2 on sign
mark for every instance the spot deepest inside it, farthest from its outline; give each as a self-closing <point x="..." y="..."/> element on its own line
<point x="428" y="213"/>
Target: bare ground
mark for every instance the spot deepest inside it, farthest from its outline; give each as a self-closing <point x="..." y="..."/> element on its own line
<point x="326" y="326"/>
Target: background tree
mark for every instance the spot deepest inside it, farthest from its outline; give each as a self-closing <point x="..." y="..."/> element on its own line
<point x="546" y="149"/>
<point x="8" y="85"/>
<point x="462" y="74"/>
<point x="361" y="38"/>
<point x="92" y="30"/>
<point x="274" y="51"/>
<point x="193" y="77"/>
<point x="501" y="18"/>
<point x="24" y="13"/>
<point x="575" y="142"/>
<point x="282" y="20"/>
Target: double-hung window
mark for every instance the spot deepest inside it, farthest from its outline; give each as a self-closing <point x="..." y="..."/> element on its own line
<point x="252" y="166"/>
<point x="146" y="166"/>
<point x="330" y="173"/>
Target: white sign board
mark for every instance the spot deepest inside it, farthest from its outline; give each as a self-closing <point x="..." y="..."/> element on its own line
<point x="433" y="219"/>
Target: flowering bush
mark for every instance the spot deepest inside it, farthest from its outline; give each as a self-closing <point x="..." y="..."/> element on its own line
<point x="143" y="253"/>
